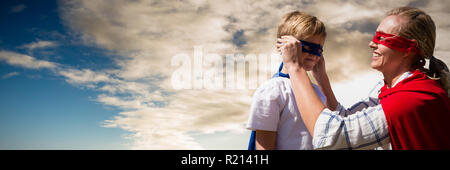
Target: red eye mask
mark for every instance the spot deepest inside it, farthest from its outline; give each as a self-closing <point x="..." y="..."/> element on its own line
<point x="396" y="42"/>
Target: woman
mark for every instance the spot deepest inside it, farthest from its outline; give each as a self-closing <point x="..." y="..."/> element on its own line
<point x="410" y="109"/>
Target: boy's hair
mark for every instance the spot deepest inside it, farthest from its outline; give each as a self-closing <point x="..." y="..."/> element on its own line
<point x="301" y="26"/>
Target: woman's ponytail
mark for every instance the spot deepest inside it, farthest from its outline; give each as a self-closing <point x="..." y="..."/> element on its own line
<point x="438" y="70"/>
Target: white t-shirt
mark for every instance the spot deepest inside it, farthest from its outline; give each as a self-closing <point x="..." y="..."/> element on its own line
<point x="274" y="109"/>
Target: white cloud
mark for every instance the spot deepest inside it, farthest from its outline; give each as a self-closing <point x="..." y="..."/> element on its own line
<point x="9" y="75"/>
<point x="84" y="76"/>
<point x="25" y="61"/>
<point x="353" y="90"/>
<point x="168" y="127"/>
<point x="39" y="44"/>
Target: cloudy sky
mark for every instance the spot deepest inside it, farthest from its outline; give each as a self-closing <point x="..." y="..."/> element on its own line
<point x="97" y="74"/>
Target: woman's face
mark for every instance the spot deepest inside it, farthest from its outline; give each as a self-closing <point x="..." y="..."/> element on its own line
<point x="310" y="60"/>
<point x="385" y="59"/>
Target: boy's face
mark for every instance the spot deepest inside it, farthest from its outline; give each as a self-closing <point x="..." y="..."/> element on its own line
<point x="310" y="60"/>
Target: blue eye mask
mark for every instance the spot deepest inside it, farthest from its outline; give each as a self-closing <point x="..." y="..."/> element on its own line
<point x="314" y="49"/>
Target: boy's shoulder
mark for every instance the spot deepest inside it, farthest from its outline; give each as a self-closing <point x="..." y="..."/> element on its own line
<point x="273" y="88"/>
<point x="279" y="83"/>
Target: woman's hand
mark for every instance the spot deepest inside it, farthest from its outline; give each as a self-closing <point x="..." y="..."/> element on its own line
<point x="319" y="70"/>
<point x="291" y="50"/>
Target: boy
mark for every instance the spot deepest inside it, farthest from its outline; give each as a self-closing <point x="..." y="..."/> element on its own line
<point x="274" y="119"/>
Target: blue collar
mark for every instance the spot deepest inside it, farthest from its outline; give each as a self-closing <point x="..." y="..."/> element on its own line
<point x="279" y="73"/>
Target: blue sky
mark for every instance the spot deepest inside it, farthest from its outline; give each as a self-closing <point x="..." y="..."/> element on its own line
<point x="97" y="74"/>
<point x="39" y="110"/>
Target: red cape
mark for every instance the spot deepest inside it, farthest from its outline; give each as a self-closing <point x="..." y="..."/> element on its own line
<point x="417" y="111"/>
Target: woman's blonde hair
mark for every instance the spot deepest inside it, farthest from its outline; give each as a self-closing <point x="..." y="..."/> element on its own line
<point x="300" y="25"/>
<point x="421" y="28"/>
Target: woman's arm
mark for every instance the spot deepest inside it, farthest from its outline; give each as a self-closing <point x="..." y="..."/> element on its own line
<point x="266" y="140"/>
<point x="307" y="100"/>
<point x="320" y="74"/>
<point x="365" y="129"/>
